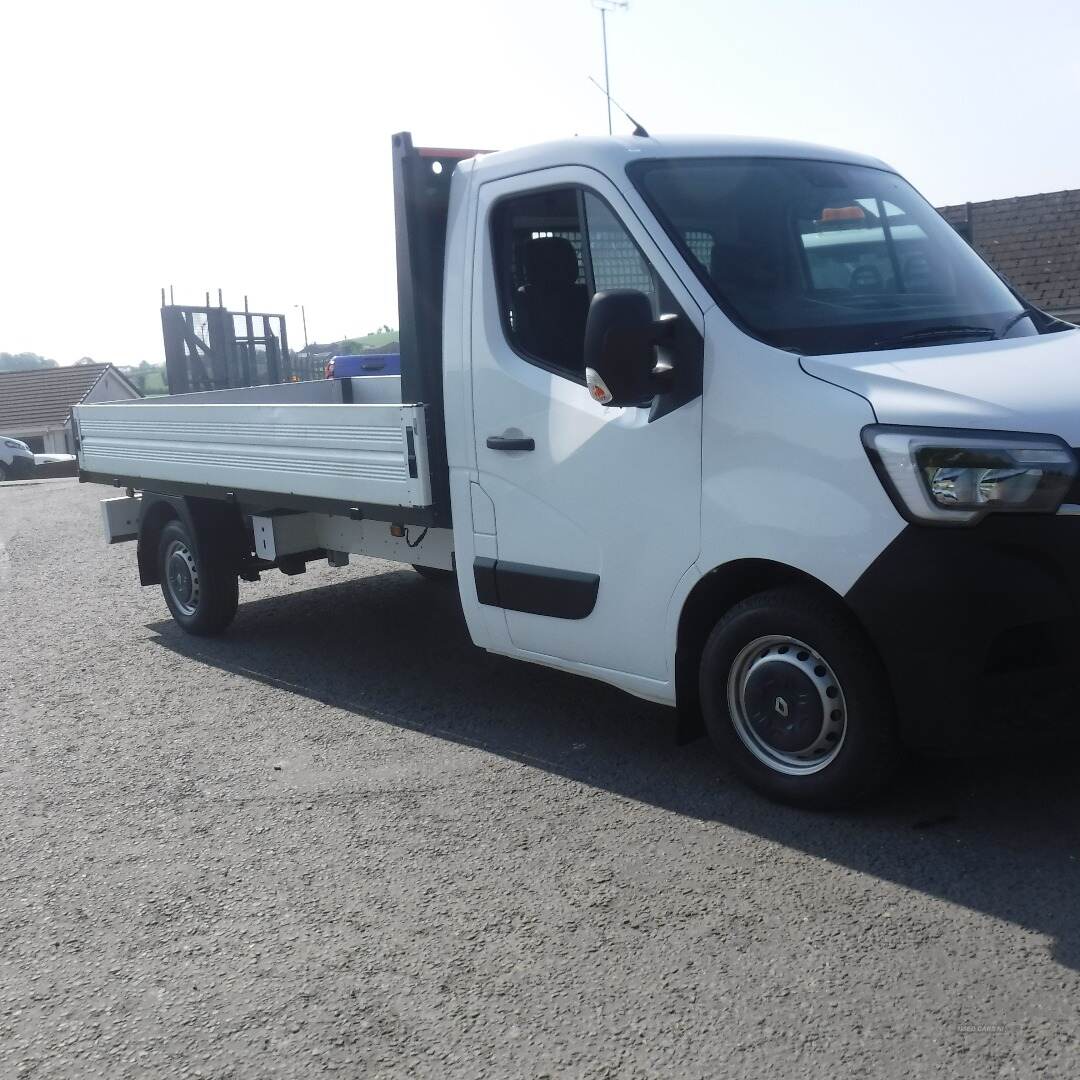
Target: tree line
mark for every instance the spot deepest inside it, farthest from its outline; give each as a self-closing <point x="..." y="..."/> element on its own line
<point x="24" y="361"/>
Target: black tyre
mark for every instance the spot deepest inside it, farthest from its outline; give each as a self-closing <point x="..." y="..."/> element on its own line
<point x="433" y="573"/>
<point x="794" y="697"/>
<point x="3" y="472"/>
<point x="199" y="585"/>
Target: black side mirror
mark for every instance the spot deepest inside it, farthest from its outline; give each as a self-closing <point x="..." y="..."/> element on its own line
<point x="621" y="337"/>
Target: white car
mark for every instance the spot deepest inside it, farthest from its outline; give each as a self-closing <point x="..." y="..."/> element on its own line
<point x="16" y="459"/>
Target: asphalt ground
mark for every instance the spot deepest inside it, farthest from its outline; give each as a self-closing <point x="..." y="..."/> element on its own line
<point x="341" y="840"/>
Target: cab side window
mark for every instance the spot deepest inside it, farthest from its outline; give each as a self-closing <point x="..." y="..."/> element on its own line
<point x="553" y="251"/>
<point x="541" y="277"/>
<point x="616" y="261"/>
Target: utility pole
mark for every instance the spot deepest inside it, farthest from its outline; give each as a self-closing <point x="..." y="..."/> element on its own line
<point x="604" y="6"/>
<point x="303" y="319"/>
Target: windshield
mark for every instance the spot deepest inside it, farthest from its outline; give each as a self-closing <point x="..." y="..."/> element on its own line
<point x="819" y="257"/>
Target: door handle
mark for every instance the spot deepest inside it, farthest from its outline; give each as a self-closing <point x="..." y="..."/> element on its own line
<point x="505" y="442"/>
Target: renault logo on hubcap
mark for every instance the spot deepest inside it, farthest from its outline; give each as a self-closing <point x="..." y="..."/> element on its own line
<point x="781" y="706"/>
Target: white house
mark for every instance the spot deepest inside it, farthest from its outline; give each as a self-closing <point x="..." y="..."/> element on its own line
<point x="35" y="406"/>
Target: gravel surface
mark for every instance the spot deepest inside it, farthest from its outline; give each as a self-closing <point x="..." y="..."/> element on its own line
<point x="343" y="841"/>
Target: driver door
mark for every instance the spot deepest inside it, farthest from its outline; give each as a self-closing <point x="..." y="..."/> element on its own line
<point x="595" y="509"/>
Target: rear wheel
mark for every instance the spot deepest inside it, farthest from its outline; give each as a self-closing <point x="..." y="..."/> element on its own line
<point x="3" y="472"/>
<point x="198" y="585"/>
<point x="794" y="697"/>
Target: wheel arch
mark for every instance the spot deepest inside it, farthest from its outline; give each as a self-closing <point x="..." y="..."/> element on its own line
<point x="715" y="593"/>
<point x="155" y="512"/>
<point x="207" y="520"/>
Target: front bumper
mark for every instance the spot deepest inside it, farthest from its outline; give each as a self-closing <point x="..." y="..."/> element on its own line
<point x="979" y="630"/>
<point x="21" y="468"/>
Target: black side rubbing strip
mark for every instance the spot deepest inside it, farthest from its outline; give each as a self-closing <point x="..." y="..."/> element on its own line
<point x="538" y="590"/>
<point x="484" y="576"/>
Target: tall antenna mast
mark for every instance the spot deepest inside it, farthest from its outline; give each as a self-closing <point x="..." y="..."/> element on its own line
<point x="604" y="6"/>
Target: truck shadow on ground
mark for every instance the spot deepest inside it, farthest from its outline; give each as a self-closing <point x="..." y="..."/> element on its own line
<point x="1000" y="835"/>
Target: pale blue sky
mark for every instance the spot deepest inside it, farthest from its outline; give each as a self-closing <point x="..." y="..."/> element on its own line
<point x="245" y="145"/>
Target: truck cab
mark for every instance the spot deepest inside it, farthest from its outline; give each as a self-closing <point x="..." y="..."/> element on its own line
<point x="739" y="426"/>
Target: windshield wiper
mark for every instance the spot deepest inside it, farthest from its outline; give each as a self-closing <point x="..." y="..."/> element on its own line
<point x="937" y="333"/>
<point x="1027" y="313"/>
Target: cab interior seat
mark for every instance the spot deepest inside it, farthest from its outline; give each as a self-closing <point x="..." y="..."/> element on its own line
<point x="742" y="267"/>
<point x="867" y="279"/>
<point x="551" y="307"/>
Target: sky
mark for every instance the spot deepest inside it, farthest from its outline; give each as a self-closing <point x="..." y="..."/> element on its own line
<point x="245" y="146"/>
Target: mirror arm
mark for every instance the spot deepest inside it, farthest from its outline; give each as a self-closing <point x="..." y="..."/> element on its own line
<point x="664" y="372"/>
<point x="664" y="328"/>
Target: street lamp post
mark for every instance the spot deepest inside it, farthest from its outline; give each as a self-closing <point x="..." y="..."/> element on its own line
<point x="604" y="6"/>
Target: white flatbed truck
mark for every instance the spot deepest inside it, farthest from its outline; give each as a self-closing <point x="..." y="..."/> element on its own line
<point x="738" y="426"/>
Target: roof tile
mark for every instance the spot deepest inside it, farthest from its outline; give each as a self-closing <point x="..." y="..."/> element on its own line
<point x="1034" y="240"/>
<point x="44" y="396"/>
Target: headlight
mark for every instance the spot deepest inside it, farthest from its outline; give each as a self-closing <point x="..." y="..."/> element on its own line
<point x="945" y="477"/>
<point x="14" y="444"/>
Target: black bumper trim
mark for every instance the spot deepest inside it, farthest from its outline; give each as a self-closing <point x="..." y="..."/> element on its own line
<point x="979" y="629"/>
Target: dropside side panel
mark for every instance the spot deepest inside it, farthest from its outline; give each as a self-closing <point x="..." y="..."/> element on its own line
<point x="345" y="453"/>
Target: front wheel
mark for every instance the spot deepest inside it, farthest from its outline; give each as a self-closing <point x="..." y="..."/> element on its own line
<point x="795" y="698"/>
<point x="199" y="586"/>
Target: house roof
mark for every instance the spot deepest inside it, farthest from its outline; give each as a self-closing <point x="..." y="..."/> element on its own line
<point x="1034" y="240"/>
<point x="43" y="397"/>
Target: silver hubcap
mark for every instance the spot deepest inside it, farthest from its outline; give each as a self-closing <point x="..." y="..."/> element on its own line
<point x="787" y="705"/>
<point x="182" y="577"/>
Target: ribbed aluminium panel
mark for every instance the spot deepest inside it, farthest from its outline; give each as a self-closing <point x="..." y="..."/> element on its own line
<point x="347" y="453"/>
